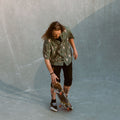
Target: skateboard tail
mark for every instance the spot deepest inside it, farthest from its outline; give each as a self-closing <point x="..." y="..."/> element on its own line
<point x="62" y="97"/>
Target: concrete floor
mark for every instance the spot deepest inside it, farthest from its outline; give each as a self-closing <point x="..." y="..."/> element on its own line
<point x="25" y="81"/>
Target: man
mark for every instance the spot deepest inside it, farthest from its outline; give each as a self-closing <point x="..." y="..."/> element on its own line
<point x="57" y="54"/>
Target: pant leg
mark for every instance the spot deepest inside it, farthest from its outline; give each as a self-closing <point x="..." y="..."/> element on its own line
<point x="67" y="70"/>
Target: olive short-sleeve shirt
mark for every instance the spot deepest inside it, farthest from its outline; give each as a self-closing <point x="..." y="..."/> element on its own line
<point x="59" y="52"/>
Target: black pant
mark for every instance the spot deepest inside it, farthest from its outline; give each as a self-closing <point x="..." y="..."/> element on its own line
<point x="67" y="70"/>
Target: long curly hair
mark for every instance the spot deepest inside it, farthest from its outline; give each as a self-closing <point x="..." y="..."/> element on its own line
<point x="53" y="26"/>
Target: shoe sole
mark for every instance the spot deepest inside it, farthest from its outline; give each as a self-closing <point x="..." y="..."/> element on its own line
<point x="53" y="109"/>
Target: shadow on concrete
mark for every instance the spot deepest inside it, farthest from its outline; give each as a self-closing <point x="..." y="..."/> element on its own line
<point x="97" y="39"/>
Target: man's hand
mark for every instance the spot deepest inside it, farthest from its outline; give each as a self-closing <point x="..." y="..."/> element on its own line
<point x="53" y="78"/>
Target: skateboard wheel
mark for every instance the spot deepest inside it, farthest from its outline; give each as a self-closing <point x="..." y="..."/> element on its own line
<point x="60" y="106"/>
<point x="68" y="109"/>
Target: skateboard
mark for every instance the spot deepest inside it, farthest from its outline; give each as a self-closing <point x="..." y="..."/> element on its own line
<point x="64" y="102"/>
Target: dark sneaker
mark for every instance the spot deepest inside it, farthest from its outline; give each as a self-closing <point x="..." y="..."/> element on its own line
<point x="53" y="106"/>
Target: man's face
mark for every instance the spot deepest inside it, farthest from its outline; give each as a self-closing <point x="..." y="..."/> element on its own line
<point x="56" y="34"/>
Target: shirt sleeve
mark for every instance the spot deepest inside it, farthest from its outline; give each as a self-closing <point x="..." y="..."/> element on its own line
<point x="70" y="35"/>
<point x="46" y="49"/>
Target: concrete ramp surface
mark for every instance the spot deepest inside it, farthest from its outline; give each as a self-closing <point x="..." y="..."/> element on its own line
<point x="24" y="78"/>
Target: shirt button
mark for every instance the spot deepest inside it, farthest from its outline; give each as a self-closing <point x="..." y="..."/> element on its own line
<point x="63" y="47"/>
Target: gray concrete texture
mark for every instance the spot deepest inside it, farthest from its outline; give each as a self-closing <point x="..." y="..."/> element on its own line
<point x="24" y="78"/>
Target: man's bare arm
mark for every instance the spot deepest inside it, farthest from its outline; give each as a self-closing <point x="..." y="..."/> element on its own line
<point x="53" y="75"/>
<point x="75" y="53"/>
<point x="48" y="64"/>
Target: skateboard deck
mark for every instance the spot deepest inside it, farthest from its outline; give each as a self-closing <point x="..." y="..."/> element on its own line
<point x="64" y="102"/>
